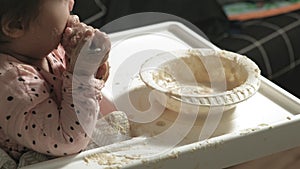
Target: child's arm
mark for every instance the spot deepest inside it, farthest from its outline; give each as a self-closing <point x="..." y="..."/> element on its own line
<point x="31" y="115"/>
<point x="86" y="51"/>
<point x="57" y="127"/>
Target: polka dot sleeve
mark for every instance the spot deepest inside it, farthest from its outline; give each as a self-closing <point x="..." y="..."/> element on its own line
<point x="41" y="111"/>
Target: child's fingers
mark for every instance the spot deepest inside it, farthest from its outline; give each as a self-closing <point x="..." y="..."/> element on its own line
<point x="92" y="44"/>
<point x="73" y="20"/>
<point x="71" y="39"/>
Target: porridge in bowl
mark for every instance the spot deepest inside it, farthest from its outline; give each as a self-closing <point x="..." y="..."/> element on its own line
<point x="191" y="79"/>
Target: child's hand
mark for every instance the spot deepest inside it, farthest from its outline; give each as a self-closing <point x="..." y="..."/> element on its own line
<point x="85" y="46"/>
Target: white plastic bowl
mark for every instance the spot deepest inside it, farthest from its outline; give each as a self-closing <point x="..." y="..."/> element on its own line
<point x="197" y="79"/>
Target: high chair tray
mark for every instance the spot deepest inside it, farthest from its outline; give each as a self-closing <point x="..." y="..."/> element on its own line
<point x="266" y="123"/>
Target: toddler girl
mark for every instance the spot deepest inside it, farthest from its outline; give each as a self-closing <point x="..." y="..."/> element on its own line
<point x="48" y="103"/>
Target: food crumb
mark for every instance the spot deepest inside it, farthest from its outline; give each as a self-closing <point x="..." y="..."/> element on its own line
<point x="173" y="155"/>
<point x="109" y="159"/>
<point x="161" y="123"/>
<point x="263" y="125"/>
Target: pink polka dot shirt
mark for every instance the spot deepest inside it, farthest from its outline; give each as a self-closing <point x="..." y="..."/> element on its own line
<point x="38" y="110"/>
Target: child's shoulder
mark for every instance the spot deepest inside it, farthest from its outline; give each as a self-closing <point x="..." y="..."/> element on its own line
<point x="7" y="59"/>
<point x="9" y="64"/>
<point x="11" y="68"/>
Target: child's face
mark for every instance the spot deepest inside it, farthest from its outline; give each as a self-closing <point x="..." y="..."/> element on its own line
<point x="44" y="34"/>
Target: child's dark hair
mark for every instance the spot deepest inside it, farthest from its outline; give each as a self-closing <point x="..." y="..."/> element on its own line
<point x="19" y="10"/>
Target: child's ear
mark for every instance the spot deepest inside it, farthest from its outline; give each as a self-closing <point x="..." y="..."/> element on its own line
<point x="12" y="28"/>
